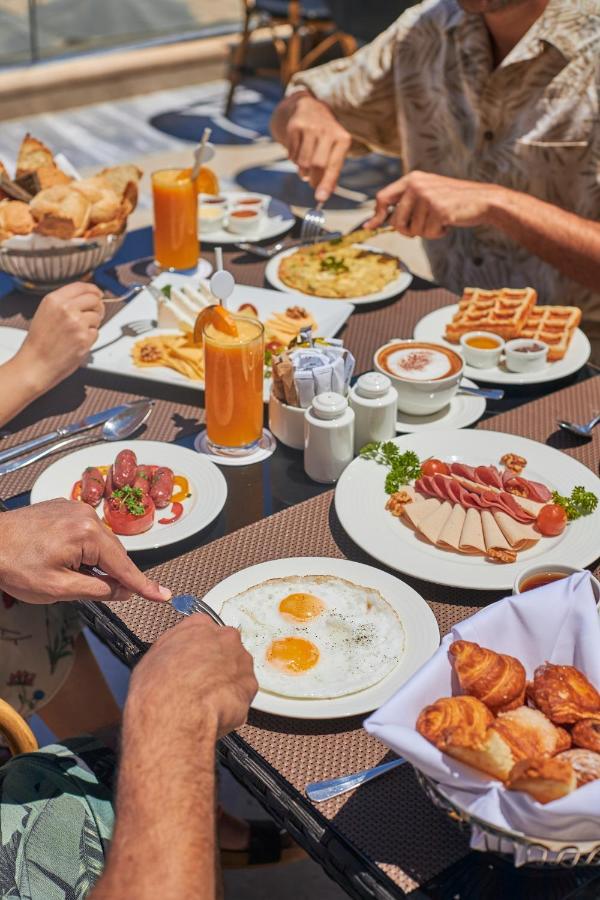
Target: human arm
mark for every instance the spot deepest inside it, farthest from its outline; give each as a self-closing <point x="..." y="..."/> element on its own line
<point x="62" y="332"/>
<point x="426" y="205"/>
<point x="194" y="686"/>
<point x="43" y="546"/>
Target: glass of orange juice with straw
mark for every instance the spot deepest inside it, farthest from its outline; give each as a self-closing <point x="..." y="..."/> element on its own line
<point x="175" y="219"/>
<point x="233" y="378"/>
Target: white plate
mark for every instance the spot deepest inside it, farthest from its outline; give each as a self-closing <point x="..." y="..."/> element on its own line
<point x="395" y="287"/>
<point x="420" y="627"/>
<point x="360" y="504"/>
<point x="432" y="327"/>
<point x="117" y="356"/>
<point x="207" y="486"/>
<point x="10" y="341"/>
<point x="463" y="410"/>
<point x="278" y="219"/>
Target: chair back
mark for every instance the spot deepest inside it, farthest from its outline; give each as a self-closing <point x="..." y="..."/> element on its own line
<point x="19" y="736"/>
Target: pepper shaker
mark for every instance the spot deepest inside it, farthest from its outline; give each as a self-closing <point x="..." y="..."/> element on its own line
<point x="375" y="404"/>
<point x="328" y="437"/>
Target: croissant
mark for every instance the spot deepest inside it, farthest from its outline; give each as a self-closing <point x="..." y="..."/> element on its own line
<point x="586" y="734"/>
<point x="544" y="779"/>
<point x="494" y="678"/>
<point x="564" y="694"/>
<point x="463" y="728"/>
<point x="529" y="733"/>
<point x="586" y="764"/>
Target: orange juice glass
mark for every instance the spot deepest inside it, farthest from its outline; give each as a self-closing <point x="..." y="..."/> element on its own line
<point x="233" y="376"/>
<point x="175" y="219"/>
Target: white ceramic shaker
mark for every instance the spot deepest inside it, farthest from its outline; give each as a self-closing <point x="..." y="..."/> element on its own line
<point x="328" y="437"/>
<point x="375" y="403"/>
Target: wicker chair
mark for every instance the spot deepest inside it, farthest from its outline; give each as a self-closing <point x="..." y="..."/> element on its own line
<point x="18" y="734"/>
<point x="306" y="18"/>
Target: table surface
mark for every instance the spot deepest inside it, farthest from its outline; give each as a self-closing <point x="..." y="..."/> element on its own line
<point x="256" y="492"/>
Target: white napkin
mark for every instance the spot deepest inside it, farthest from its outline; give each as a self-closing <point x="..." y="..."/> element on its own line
<point x="558" y="623"/>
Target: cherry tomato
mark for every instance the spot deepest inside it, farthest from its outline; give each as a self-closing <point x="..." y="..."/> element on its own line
<point x="121" y="521"/>
<point x="551" y="519"/>
<point x="176" y="511"/>
<point x="274" y="347"/>
<point x="76" y="491"/>
<point x="435" y="467"/>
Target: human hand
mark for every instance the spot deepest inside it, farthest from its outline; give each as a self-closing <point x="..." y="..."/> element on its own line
<point x="197" y="670"/>
<point x="426" y="205"/>
<point x="316" y="142"/>
<point x="43" y="546"/>
<point x="62" y="332"/>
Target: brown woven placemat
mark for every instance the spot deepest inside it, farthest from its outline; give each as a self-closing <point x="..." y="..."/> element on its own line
<point x="390" y="821"/>
<point x="73" y="401"/>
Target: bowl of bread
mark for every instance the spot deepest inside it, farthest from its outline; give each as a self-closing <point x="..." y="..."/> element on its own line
<point x="56" y="227"/>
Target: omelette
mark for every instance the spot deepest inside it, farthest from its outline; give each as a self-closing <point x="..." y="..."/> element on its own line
<point x="339" y="268"/>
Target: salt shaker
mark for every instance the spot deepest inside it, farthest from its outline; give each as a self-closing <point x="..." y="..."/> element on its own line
<point x="375" y="404"/>
<point x="328" y="437"/>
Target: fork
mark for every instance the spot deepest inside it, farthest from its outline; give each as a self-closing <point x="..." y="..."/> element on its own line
<point x="188" y="605"/>
<point x="313" y="222"/>
<point x="131" y="329"/>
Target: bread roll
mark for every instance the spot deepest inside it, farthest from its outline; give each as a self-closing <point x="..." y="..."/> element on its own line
<point x="586" y="764"/>
<point x="544" y="779"/>
<point x="564" y="694"/>
<point x="60" y="212"/>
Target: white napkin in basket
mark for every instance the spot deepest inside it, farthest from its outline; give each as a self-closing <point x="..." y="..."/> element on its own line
<point x="558" y="623"/>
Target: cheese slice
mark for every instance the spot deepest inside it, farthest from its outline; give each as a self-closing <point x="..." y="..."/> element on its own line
<point x="181" y="309"/>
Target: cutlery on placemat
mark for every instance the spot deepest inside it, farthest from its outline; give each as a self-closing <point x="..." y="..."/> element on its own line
<point x="319" y="791"/>
<point x="118" y="428"/>
<point x="188" y="605"/>
<point x="488" y="393"/>
<point x="66" y="430"/>
<point x="580" y="430"/>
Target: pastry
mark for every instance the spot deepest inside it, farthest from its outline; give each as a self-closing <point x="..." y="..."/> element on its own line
<point x="15" y="218"/>
<point x="544" y="779"/>
<point x="33" y="155"/>
<point x="463" y="728"/>
<point x="586" y="764"/>
<point x="564" y="694"/>
<point x="503" y="312"/>
<point x="531" y="734"/>
<point x="586" y="733"/>
<point x="124" y="182"/>
<point x="60" y="212"/>
<point x="106" y="206"/>
<point x="497" y="679"/>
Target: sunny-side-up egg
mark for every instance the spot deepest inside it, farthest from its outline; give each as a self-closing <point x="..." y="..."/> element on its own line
<point x="316" y="636"/>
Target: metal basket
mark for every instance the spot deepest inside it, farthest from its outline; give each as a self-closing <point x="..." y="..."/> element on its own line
<point x="40" y="271"/>
<point x="532" y="851"/>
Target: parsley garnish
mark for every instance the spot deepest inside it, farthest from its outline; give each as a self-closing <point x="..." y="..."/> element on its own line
<point x="333" y="264"/>
<point x="166" y="289"/>
<point x="404" y="467"/>
<point x="131" y="499"/>
<point x="580" y="503"/>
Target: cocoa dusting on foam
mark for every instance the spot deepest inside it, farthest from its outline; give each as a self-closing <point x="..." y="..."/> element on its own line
<point x="415" y="361"/>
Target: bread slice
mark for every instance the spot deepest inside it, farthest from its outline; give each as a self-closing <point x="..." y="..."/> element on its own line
<point x="33" y="154"/>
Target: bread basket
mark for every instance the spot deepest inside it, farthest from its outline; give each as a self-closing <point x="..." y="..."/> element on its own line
<point x="45" y="269"/>
<point x="523" y="850"/>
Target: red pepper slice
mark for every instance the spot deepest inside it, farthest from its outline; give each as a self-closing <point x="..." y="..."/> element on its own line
<point x="76" y="491"/>
<point x="177" y="510"/>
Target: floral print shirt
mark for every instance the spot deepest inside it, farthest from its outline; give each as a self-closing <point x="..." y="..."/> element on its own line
<point x="427" y="90"/>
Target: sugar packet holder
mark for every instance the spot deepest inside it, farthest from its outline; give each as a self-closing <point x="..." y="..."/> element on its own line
<point x="312" y="368"/>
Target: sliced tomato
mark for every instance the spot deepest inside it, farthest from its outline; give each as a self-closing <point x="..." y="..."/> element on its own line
<point x="76" y="491"/>
<point x="176" y="511"/>
<point x="435" y="467"/>
<point x="551" y="520"/>
<point x="121" y="521"/>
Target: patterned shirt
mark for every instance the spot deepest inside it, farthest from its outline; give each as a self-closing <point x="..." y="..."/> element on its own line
<point x="427" y="91"/>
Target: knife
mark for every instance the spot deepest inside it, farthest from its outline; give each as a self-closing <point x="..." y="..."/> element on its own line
<point x="65" y="430"/>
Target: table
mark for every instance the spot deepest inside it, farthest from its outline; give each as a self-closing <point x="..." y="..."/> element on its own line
<point x="385" y="841"/>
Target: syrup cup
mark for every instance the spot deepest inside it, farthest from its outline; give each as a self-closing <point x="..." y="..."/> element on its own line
<point x="478" y="357"/>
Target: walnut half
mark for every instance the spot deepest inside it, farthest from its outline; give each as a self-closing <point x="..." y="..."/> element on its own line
<point x="513" y="462"/>
<point x="397" y="502"/>
<point x="502" y="556"/>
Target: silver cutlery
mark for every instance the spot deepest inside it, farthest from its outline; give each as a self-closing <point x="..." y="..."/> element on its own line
<point x="133" y="291"/>
<point x="580" y="430"/>
<point x="274" y="249"/>
<point x="188" y="605"/>
<point x="313" y="222"/>
<point x="65" y="431"/>
<point x="118" y="428"/>
<point x="131" y="329"/>
<point x="488" y="393"/>
<point x="319" y="791"/>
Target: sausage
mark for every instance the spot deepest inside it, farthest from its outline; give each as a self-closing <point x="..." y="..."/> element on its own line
<point x="92" y="486"/>
<point x="143" y="477"/>
<point x="109" y="486"/>
<point x="161" y="488"/>
<point x="124" y="468"/>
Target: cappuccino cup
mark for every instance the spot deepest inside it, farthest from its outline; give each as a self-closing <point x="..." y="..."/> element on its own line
<point x="426" y="376"/>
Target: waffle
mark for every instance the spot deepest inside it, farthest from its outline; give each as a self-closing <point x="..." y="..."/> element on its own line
<point x="554" y="325"/>
<point x="503" y="312"/>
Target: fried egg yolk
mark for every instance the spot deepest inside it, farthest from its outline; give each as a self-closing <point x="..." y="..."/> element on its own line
<point x="301" y="607"/>
<point x="292" y="655"/>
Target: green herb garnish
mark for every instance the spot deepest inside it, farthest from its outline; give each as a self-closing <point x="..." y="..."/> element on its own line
<point x="404" y="467"/>
<point x="333" y="264"/>
<point x="131" y="499"/>
<point x="166" y="289"/>
<point x="580" y="503"/>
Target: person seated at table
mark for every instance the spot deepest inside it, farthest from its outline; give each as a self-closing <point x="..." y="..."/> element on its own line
<point x="193" y="686"/>
<point x="492" y="108"/>
<point x="46" y="665"/>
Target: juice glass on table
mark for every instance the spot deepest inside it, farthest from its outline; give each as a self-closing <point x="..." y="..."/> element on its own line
<point x="175" y="219"/>
<point x="233" y="377"/>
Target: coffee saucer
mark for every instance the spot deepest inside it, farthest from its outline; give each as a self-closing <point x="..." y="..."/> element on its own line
<point x="463" y="410"/>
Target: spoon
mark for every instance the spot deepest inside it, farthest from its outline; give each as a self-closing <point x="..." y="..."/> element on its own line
<point x="580" y="430"/>
<point x="488" y="393"/>
<point x="120" y="427"/>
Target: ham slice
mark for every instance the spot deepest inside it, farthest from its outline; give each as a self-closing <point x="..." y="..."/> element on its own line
<point x="471" y="537"/>
<point x="471" y="494"/>
<point x="420" y="509"/>
<point x="518" y="535"/>
<point x="449" y="537"/>
<point x="432" y="526"/>
<point x="492" y="535"/>
<point x="533" y="489"/>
